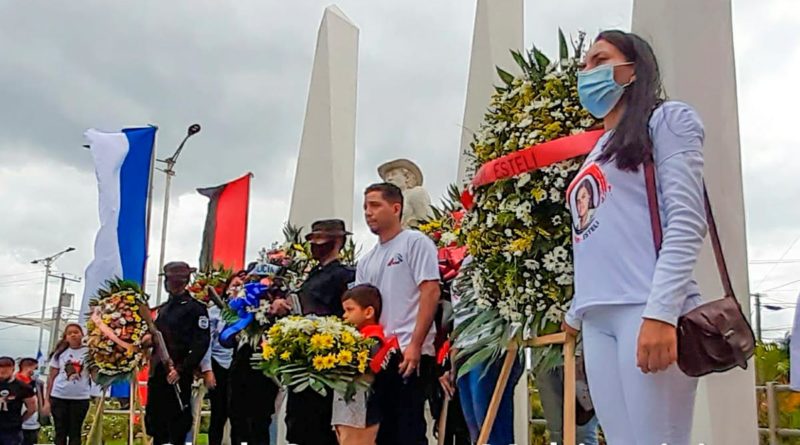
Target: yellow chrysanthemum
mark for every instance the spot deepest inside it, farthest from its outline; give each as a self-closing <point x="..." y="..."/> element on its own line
<point x="318" y="362"/>
<point x="274" y="330"/>
<point x="363" y="356"/>
<point x="267" y="351"/>
<point x="348" y="339"/>
<point x="329" y="361"/>
<point x="286" y="355"/>
<point x="321" y="341"/>
<point x="345" y="357"/>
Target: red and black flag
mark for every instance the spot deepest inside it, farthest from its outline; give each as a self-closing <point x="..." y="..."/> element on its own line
<point x="225" y="233"/>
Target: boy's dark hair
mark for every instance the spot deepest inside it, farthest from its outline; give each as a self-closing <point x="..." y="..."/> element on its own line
<point x="28" y="361"/>
<point x="6" y="361"/>
<point x="365" y="295"/>
<point x="389" y="192"/>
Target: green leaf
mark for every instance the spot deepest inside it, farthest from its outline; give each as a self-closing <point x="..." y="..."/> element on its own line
<point x="480" y="357"/>
<point x="541" y="60"/>
<point x="505" y="76"/>
<point x="563" y="52"/>
<point x="520" y="60"/>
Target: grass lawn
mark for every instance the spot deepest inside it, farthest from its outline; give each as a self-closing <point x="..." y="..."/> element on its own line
<point x="202" y="439"/>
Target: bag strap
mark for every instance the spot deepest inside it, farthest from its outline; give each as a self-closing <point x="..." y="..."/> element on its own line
<point x="655" y="224"/>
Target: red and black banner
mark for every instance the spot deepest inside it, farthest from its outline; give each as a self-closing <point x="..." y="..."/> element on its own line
<point x="225" y="233"/>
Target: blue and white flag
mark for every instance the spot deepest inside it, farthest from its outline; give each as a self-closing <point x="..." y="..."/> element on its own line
<point x="123" y="164"/>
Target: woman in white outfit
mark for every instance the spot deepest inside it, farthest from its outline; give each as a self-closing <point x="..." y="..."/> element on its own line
<point x="627" y="297"/>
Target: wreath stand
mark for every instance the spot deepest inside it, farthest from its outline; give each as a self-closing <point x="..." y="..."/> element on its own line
<point x="568" y="342"/>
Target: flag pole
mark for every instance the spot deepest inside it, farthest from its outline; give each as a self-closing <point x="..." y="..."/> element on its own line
<point x="149" y="208"/>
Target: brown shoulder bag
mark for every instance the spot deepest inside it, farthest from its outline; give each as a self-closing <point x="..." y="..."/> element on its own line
<point x="715" y="336"/>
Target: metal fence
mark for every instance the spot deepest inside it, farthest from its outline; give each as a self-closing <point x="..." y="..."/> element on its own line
<point x="773" y="431"/>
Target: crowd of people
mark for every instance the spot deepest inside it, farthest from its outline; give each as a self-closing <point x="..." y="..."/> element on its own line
<point x="628" y="297"/>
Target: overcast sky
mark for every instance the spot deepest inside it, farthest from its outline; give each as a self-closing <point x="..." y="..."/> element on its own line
<point x="241" y="69"/>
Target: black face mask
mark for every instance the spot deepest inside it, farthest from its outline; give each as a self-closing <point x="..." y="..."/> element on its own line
<point x="321" y="251"/>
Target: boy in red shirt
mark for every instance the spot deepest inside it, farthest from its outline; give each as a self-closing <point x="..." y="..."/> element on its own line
<point x="357" y="421"/>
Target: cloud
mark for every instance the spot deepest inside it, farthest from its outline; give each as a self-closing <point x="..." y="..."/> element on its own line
<point x="242" y="69"/>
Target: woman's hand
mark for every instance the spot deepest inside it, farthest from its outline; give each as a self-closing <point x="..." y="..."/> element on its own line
<point x="657" y="348"/>
<point x="569" y="329"/>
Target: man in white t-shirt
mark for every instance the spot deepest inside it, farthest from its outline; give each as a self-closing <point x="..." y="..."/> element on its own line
<point x="404" y="267"/>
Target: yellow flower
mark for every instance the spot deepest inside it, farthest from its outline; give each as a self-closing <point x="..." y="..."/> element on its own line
<point x="274" y="330"/>
<point x="286" y="356"/>
<point x="345" y="357"/>
<point x="538" y="194"/>
<point x="363" y="355"/>
<point x="318" y="362"/>
<point x="348" y="339"/>
<point x="520" y="245"/>
<point x="321" y="341"/>
<point x="329" y="361"/>
<point x="267" y="351"/>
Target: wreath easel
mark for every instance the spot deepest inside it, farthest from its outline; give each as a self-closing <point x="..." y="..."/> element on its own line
<point x="568" y="342"/>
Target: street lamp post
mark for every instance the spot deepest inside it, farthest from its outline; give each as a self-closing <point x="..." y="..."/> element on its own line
<point x="48" y="263"/>
<point x="170" y="172"/>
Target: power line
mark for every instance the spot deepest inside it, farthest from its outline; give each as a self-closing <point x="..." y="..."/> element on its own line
<point x="780" y="259"/>
<point x="778" y="287"/>
<point x="19" y="274"/>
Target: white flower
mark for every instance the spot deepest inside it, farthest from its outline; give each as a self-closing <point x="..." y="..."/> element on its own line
<point x="564" y="280"/>
<point x="559" y="182"/>
<point x="532" y="264"/>
<point x="523" y="179"/>
<point x="508" y="232"/>
<point x="525" y="123"/>
<point x="550" y="262"/>
<point x="448" y="238"/>
<point x="555" y="195"/>
<point x="556" y="220"/>
<point x="560" y="252"/>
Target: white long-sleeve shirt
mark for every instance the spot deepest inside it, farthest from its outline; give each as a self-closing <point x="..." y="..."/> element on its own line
<point x="614" y="254"/>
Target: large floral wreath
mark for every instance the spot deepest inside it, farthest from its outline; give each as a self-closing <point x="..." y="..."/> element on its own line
<point x="521" y="280"/>
<point x="116" y="332"/>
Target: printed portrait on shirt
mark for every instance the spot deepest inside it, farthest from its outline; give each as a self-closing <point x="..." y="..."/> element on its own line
<point x="586" y="195"/>
<point x="73" y="370"/>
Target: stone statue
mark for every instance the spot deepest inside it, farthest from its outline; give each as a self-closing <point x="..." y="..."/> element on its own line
<point x="416" y="200"/>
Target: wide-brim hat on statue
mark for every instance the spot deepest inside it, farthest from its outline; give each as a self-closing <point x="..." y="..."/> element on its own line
<point x="400" y="163"/>
<point x="178" y="269"/>
<point x="326" y="229"/>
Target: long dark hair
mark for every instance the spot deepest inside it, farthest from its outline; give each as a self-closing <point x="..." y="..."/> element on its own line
<point x="63" y="344"/>
<point x="630" y="145"/>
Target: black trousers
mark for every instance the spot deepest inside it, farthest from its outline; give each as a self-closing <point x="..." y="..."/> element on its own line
<point x="219" y="404"/>
<point x="30" y="437"/>
<point x="403" y="404"/>
<point x="308" y="418"/>
<point x="251" y="404"/>
<point x="68" y="416"/>
<point x="166" y="422"/>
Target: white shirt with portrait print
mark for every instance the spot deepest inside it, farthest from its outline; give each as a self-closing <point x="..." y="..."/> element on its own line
<point x="72" y="380"/>
<point x="397" y="268"/>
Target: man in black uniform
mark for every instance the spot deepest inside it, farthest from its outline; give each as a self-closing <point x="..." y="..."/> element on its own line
<point x="183" y="322"/>
<point x="308" y="415"/>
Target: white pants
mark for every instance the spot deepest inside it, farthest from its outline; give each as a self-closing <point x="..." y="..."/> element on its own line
<point x="634" y="408"/>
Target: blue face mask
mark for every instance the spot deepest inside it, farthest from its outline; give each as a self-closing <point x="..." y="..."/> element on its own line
<point x="598" y="91"/>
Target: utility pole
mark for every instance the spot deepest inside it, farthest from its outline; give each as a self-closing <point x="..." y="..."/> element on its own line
<point x="170" y="172"/>
<point x="48" y="263"/>
<point x="57" y="321"/>
<point x="757" y="297"/>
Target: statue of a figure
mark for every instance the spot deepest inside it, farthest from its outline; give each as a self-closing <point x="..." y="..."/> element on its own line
<point x="416" y="200"/>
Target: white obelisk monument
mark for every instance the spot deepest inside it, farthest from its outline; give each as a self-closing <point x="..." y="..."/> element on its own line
<point x="323" y="182"/>
<point x="693" y="40"/>
<point x="498" y="29"/>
